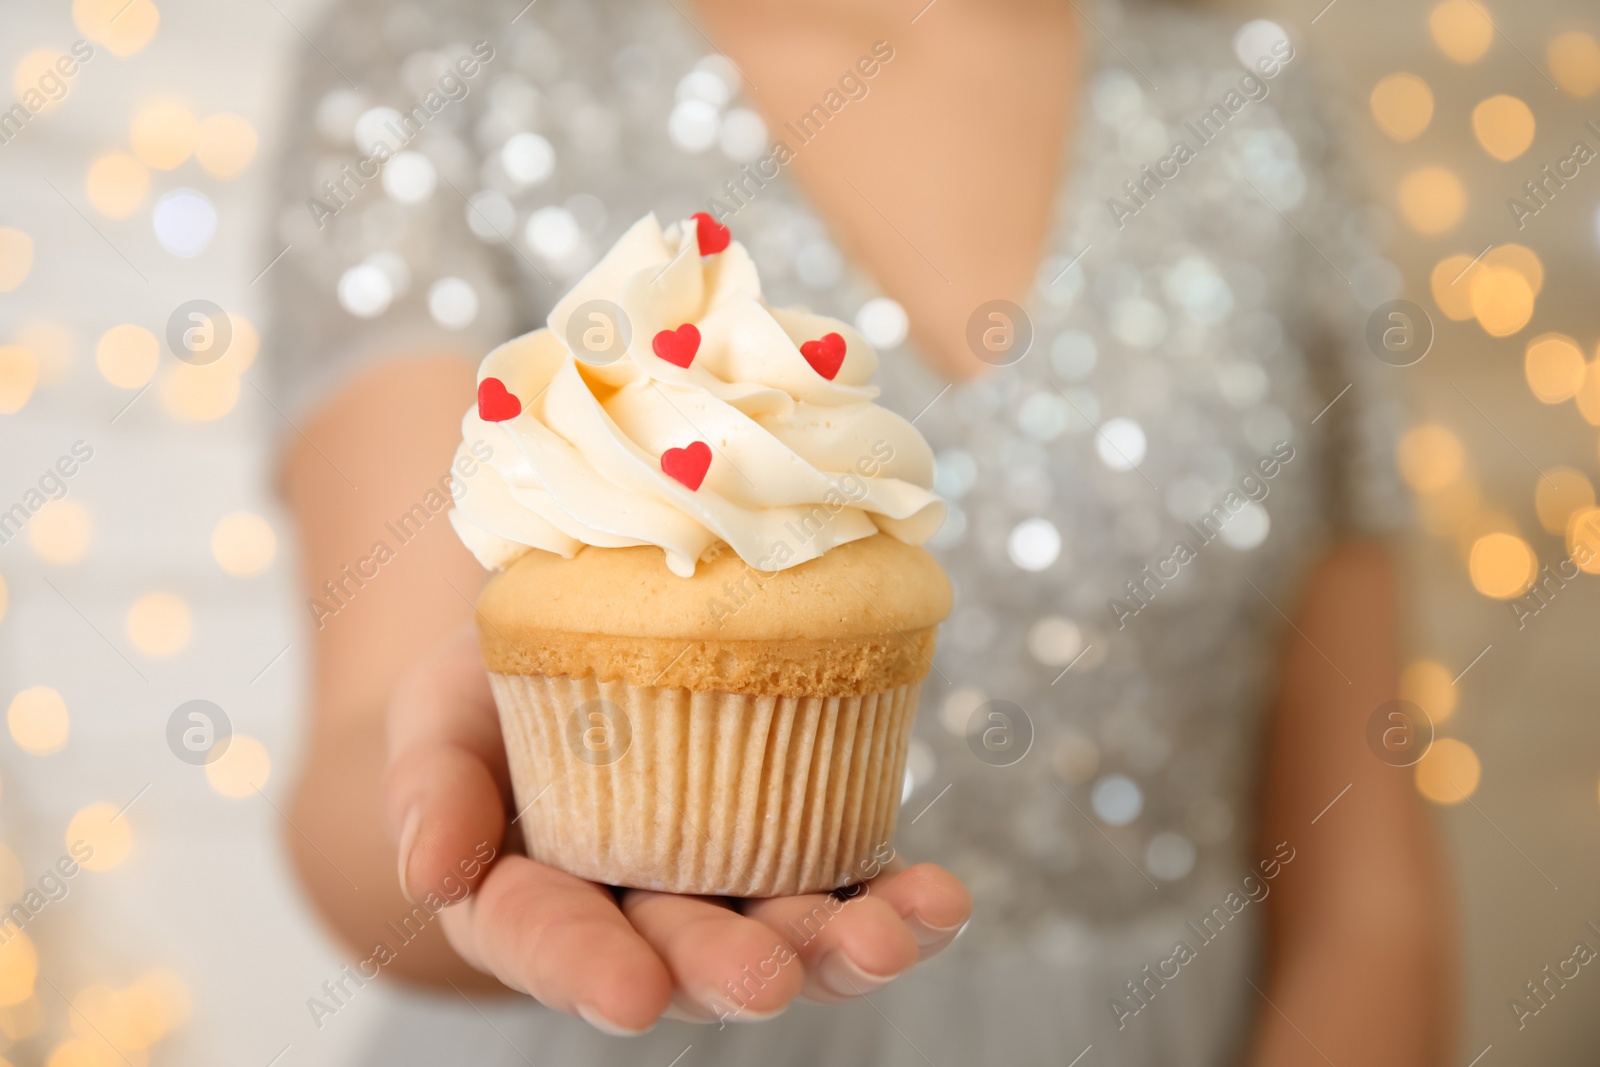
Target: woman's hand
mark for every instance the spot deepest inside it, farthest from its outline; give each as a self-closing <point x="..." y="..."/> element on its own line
<point x="619" y="959"/>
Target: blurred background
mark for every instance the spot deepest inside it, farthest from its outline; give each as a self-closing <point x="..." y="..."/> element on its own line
<point x="155" y="567"/>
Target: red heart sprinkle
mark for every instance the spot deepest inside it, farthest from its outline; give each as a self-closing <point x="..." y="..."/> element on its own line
<point x="678" y="346"/>
<point x="826" y="355"/>
<point x="496" y="403"/>
<point x="713" y="235"/>
<point x="687" y="465"/>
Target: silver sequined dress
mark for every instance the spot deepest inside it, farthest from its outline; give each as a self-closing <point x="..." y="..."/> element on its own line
<point x="1086" y="749"/>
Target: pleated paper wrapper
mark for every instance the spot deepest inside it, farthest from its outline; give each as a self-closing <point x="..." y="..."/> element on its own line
<point x="701" y="792"/>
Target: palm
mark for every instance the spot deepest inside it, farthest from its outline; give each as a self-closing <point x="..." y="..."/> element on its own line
<point x="620" y="959"/>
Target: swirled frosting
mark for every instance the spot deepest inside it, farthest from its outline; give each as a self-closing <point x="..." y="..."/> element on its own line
<point x="763" y="440"/>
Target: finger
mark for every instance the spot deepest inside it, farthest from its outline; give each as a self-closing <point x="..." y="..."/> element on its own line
<point x="931" y="900"/>
<point x="563" y="941"/>
<point x="446" y="782"/>
<point x="849" y="946"/>
<point x="724" y="966"/>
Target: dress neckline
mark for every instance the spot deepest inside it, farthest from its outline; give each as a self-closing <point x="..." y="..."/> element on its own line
<point x="1061" y="216"/>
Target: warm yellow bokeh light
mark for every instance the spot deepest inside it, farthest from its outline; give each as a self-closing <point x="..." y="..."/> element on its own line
<point x="242" y="769"/>
<point x="1426" y="683"/>
<point x="1588" y="396"/>
<point x="1432" y="200"/>
<point x="225" y="145"/>
<point x="162" y="1000"/>
<point x="60" y="532"/>
<point x="82" y="1052"/>
<point x="16" y="258"/>
<point x="127" y="356"/>
<point x="1502" y="299"/>
<point x="53" y="343"/>
<point x="1502" y="565"/>
<point x="123" y="26"/>
<point x="1481" y="524"/>
<point x="243" y="544"/>
<point x="116" y="184"/>
<point x="1554" y="366"/>
<point x="1450" y="772"/>
<point x="1462" y="29"/>
<point x="30" y="70"/>
<point x="103" y="1013"/>
<point x="242" y="349"/>
<point x="1583" y="539"/>
<point x="1574" y="62"/>
<point x="163" y="133"/>
<point x="149" y="1016"/>
<point x="1430" y="457"/>
<point x="159" y="624"/>
<point x="107" y="834"/>
<point x="38" y="720"/>
<point x="1558" y="493"/>
<point x="1520" y="258"/>
<point x="200" y="394"/>
<point x="21" y="1021"/>
<point x="1402" y="105"/>
<point x="19" y="373"/>
<point x="1451" y="283"/>
<point x="19" y="967"/>
<point x="1504" y="126"/>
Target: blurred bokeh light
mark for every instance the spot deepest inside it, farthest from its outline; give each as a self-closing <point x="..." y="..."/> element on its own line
<point x="159" y="624"/>
<point x="1450" y="771"/>
<point x="38" y="720"/>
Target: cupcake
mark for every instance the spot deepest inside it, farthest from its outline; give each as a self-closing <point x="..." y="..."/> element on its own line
<point x="712" y="618"/>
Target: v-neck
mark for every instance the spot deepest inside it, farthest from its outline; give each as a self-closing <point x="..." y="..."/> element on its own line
<point x="1064" y="200"/>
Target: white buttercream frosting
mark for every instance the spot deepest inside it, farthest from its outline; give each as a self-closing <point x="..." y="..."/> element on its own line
<point x="799" y="462"/>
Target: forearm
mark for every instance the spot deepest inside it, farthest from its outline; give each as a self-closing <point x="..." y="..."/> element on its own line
<point x="1352" y="993"/>
<point x="375" y="451"/>
<point x="1360" y="961"/>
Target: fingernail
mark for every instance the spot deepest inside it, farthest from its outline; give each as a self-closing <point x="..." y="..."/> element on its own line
<point x="408" y="837"/>
<point x="931" y="939"/>
<point x="712" y="1007"/>
<point x="839" y="975"/>
<point x="604" y="1025"/>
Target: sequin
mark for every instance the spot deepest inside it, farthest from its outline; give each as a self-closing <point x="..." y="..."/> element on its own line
<point x="1034" y="544"/>
<point x="528" y="159"/>
<point x="1117" y="799"/>
<point x="883" y="322"/>
<point x="409" y="177"/>
<point x="453" y="303"/>
<point x="1055" y="641"/>
<point x="364" y="291"/>
<point x="1121" y="444"/>
<point x="553" y="232"/>
<point x="1169" y="856"/>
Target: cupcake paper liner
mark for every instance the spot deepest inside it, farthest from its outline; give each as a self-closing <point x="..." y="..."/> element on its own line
<point x="709" y="793"/>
